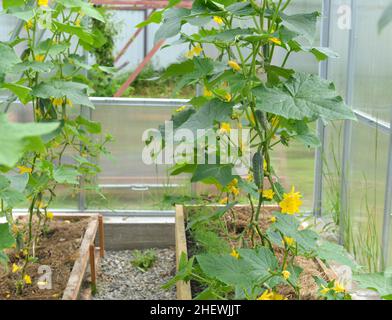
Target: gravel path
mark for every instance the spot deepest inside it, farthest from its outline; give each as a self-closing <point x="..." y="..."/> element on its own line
<point x="119" y="280"/>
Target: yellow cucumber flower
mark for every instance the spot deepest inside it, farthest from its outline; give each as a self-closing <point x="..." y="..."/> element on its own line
<point x="28" y="25"/>
<point x="15" y="268"/>
<point x="324" y="289"/>
<point x="207" y="93"/>
<point x="228" y="97"/>
<point x="270" y="295"/>
<point x="23" y="169"/>
<point x="234" y="65"/>
<point x="57" y="102"/>
<point x="225" y="127"/>
<point x="234" y="253"/>
<point x="249" y="177"/>
<point x="43" y="3"/>
<point x="224" y="200"/>
<point x="27" y="279"/>
<point x="234" y="190"/>
<point x="275" y="40"/>
<point x="291" y="202"/>
<point x="218" y="20"/>
<point x="268" y="194"/>
<point x="286" y="274"/>
<point x="49" y="215"/>
<point x="39" y="58"/>
<point x="288" y="241"/>
<point x="77" y="22"/>
<point x="194" y="52"/>
<point x="180" y="109"/>
<point x="273" y="219"/>
<point x="339" y="288"/>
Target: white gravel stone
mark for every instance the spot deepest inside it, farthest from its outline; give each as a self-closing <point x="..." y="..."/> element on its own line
<point x="119" y="280"/>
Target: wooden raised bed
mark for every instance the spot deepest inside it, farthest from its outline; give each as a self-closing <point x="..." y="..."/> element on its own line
<point x="184" y="291"/>
<point x="88" y="254"/>
<point x="82" y="278"/>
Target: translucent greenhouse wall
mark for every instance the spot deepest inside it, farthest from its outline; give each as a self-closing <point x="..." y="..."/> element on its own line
<point x="346" y="181"/>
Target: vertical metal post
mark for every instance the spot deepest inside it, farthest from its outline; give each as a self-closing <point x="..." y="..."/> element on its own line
<point x="145" y="35"/>
<point x="323" y="72"/>
<point x="386" y="228"/>
<point x="344" y="208"/>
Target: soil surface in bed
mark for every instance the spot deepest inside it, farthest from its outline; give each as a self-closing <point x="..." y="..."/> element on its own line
<point x="58" y="249"/>
<point x="236" y="221"/>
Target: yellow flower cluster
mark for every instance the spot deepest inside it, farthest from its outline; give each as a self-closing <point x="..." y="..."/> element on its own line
<point x="218" y="20"/>
<point x="338" y="288"/>
<point x="225" y="128"/>
<point x="43" y="3"/>
<point x="194" y="52"/>
<point x="268" y="194"/>
<point x="207" y="93"/>
<point x="39" y="57"/>
<point x="291" y="202"/>
<point x="23" y="169"/>
<point x="234" y="65"/>
<point x="271" y="295"/>
<point x="58" y="102"/>
<point x="233" y="187"/>
<point x="275" y="41"/>
<point x="234" y="253"/>
<point x="288" y="241"/>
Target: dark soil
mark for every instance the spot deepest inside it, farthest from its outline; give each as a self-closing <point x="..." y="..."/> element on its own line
<point x="58" y="249"/>
<point x="237" y="220"/>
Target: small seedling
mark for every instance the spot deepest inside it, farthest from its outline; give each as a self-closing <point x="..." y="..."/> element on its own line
<point x="144" y="260"/>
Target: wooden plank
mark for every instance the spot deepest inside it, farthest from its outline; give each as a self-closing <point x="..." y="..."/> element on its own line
<point x="93" y="272"/>
<point x="101" y="236"/>
<point x="75" y="280"/>
<point x="183" y="288"/>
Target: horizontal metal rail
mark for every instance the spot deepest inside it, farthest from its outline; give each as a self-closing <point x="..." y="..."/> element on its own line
<point x="112" y="213"/>
<point x="371" y="121"/>
<point x="139" y="186"/>
<point x="137" y="102"/>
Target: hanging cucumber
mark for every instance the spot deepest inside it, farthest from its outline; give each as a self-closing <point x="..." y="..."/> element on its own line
<point x="258" y="171"/>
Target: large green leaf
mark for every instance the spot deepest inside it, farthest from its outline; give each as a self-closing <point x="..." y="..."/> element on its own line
<point x="12" y="3"/>
<point x="330" y="252"/>
<point x="23" y="13"/>
<point x="84" y="7"/>
<point x="303" y="96"/>
<point x="66" y="174"/>
<point x="17" y="138"/>
<point x="77" y="31"/>
<point x="289" y="226"/>
<point x="33" y="66"/>
<point x="252" y="267"/>
<point x="6" y="239"/>
<point x="8" y="58"/>
<point x="302" y="24"/>
<point x="376" y="281"/>
<point x="385" y="19"/>
<point x="22" y="92"/>
<point x="172" y="22"/>
<point x="74" y="91"/>
<point x="218" y="174"/>
<point x="212" y="112"/>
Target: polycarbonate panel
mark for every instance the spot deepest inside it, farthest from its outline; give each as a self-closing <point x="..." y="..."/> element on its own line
<point x="367" y="178"/>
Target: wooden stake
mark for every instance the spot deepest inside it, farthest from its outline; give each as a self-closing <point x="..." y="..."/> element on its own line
<point x="101" y="236"/>
<point x="92" y="268"/>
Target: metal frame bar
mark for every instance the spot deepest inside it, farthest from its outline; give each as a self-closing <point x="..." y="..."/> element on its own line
<point x="347" y="127"/>
<point x="323" y="72"/>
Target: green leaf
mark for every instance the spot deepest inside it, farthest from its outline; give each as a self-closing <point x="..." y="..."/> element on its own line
<point x="385" y="18"/>
<point x="248" y="271"/>
<point x="155" y="17"/>
<point x="309" y="139"/>
<point x="172" y="22"/>
<point x="91" y="126"/>
<point x="66" y="174"/>
<point x="24" y="14"/>
<point x="179" y="69"/>
<point x="17" y="138"/>
<point x="332" y="252"/>
<point x="84" y="6"/>
<point x="303" y="96"/>
<point x="212" y="112"/>
<point x="12" y="3"/>
<point x="8" y="58"/>
<point x="22" y="92"/>
<point x="33" y="66"/>
<point x="81" y="33"/>
<point x="6" y="239"/>
<point x="241" y="9"/>
<point x="289" y="226"/>
<point x="218" y="174"/>
<point x="74" y="91"/>
<point x="375" y="281"/>
<point x="302" y="24"/>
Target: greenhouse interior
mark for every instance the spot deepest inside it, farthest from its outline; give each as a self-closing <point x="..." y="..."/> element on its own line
<point x="195" y="150"/>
